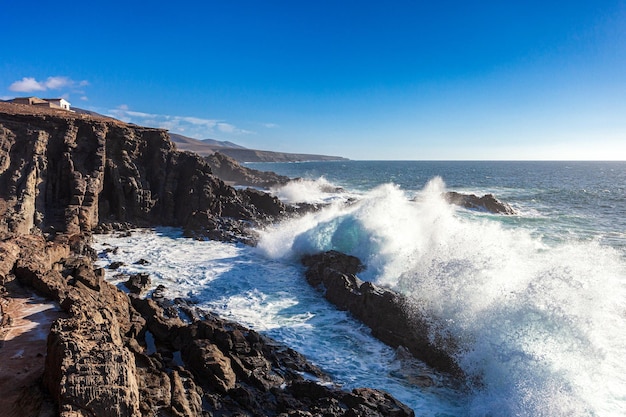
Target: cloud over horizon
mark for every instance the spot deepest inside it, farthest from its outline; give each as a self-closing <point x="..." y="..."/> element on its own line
<point x="193" y="127"/>
<point x="30" y="84"/>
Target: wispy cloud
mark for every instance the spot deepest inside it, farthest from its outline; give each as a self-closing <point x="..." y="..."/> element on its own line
<point x="30" y="84"/>
<point x="194" y="127"/>
<point x="270" y="125"/>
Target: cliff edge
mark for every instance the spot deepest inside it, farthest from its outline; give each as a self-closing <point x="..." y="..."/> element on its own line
<point x="67" y="173"/>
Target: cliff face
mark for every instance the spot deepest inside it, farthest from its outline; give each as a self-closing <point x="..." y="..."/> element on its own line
<point x="63" y="172"/>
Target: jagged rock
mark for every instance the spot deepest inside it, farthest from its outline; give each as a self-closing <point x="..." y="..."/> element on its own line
<point x="159" y="292"/>
<point x="138" y="283"/>
<point x="88" y="369"/>
<point x="368" y="399"/>
<point x="91" y="374"/>
<point x="186" y="400"/>
<point x="390" y="315"/>
<point x="210" y="364"/>
<point x="67" y="172"/>
<point x="485" y="203"/>
<point x="116" y="265"/>
<point x="264" y="203"/>
<point x="260" y="376"/>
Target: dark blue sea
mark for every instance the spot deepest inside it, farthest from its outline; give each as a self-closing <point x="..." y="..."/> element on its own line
<point x="584" y="199"/>
<point x="536" y="301"/>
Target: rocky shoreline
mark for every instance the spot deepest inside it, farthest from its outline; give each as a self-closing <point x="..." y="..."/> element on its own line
<point x="97" y="351"/>
<point x="64" y="175"/>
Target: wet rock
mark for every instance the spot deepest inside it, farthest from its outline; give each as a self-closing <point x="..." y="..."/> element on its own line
<point x="141" y="262"/>
<point x="204" y="226"/>
<point x="486" y="203"/>
<point x="369" y="400"/>
<point x="265" y="204"/>
<point x="138" y="283"/>
<point x="391" y="316"/>
<point x="116" y="265"/>
<point x="159" y="292"/>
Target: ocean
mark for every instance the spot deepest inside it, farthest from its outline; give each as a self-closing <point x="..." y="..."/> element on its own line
<point x="536" y="301"/>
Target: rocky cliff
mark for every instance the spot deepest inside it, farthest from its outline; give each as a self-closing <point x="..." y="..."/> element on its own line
<point x="66" y="173"/>
<point x="112" y="354"/>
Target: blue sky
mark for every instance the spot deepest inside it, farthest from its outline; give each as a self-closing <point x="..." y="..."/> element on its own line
<point x="365" y="80"/>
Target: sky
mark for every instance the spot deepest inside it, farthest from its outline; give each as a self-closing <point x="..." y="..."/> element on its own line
<point x="394" y="80"/>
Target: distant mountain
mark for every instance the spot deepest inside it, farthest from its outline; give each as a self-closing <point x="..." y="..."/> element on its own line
<point x="200" y="147"/>
<point x="253" y="155"/>
<point x="242" y="154"/>
<point x="222" y="143"/>
<point x="89" y="112"/>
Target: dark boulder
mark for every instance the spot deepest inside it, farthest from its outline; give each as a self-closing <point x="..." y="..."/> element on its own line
<point x="485" y="203"/>
<point x="390" y="315"/>
<point x="138" y="283"/>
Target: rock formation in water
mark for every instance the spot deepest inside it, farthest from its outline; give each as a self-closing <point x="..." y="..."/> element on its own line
<point x="392" y="317"/>
<point x="486" y="203"/>
<point x="113" y="354"/>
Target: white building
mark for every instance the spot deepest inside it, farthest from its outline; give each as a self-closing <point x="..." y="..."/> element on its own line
<point x="54" y="103"/>
<point x="58" y="102"/>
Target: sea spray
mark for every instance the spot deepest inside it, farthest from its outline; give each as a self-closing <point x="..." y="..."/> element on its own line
<point x="309" y="191"/>
<point x="274" y="298"/>
<point x="539" y="322"/>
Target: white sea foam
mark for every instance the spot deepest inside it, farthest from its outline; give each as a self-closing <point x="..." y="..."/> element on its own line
<point x="309" y="191"/>
<point x="539" y="323"/>
<point x="273" y="297"/>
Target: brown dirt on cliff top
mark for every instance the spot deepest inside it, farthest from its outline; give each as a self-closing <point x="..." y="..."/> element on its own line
<point x="14" y="108"/>
<point x="25" y="109"/>
<point x="25" y="324"/>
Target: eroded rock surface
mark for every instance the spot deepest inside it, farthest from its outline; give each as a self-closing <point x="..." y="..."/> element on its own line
<point x="487" y="203"/>
<point x="65" y="172"/>
<point x="391" y="316"/>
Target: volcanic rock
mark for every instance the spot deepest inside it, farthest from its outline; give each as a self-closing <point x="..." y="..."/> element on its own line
<point x="486" y="203"/>
<point x="66" y="172"/>
<point x="138" y="283"/>
<point x="390" y="315"/>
